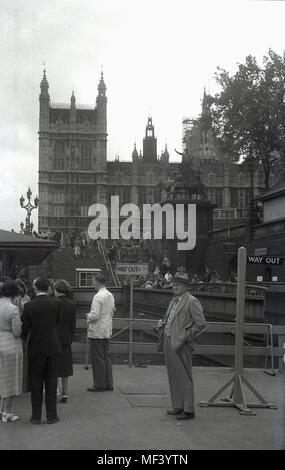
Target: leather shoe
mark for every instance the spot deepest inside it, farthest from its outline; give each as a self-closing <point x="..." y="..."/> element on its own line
<point x="35" y="421"/>
<point x="174" y="412"/>
<point x="93" y="389"/>
<point x="63" y="399"/>
<point x="53" y="421"/>
<point x="185" y="416"/>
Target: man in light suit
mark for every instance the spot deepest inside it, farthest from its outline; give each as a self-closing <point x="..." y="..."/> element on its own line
<point x="184" y="318"/>
<point x="99" y="322"/>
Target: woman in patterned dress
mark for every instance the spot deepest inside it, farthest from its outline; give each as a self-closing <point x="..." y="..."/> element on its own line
<point x="11" y="350"/>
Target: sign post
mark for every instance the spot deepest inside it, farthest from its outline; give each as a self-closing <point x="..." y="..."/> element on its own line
<point x="131" y="321"/>
<point x="131" y="269"/>
<point x="237" y="382"/>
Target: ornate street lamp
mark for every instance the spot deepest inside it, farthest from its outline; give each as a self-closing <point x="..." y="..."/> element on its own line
<point x="27" y="228"/>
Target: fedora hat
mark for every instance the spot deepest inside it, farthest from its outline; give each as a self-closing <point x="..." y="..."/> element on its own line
<point x="181" y="278"/>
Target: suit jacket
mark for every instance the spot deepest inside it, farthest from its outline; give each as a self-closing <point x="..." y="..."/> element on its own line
<point x="188" y="320"/>
<point x="40" y="318"/>
<point x="66" y="328"/>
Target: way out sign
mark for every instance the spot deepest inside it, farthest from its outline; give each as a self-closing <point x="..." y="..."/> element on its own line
<point x="132" y="269"/>
<point x="271" y="260"/>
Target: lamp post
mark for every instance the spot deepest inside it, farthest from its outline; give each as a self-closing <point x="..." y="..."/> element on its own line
<point x="27" y="228"/>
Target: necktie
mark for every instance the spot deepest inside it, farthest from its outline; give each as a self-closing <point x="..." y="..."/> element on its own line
<point x="172" y="310"/>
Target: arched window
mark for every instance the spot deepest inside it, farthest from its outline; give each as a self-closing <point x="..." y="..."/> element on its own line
<point x="85" y="160"/>
<point x="59" y="156"/>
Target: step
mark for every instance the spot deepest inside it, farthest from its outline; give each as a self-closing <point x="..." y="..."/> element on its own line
<point x="64" y="264"/>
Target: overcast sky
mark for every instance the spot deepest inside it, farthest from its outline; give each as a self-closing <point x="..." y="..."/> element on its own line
<point x="157" y="55"/>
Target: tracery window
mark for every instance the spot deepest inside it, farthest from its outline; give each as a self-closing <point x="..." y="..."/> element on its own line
<point x="85" y="160"/>
<point x="59" y="160"/>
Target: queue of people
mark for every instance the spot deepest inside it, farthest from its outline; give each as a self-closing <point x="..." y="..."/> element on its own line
<point x="80" y="244"/>
<point x="47" y="324"/>
<point x="161" y="276"/>
<point x="53" y="235"/>
<point x="35" y="345"/>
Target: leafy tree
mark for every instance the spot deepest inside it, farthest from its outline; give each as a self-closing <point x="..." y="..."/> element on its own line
<point x="249" y="112"/>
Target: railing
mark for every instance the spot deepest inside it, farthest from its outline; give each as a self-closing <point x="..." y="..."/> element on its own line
<point x="269" y="351"/>
<point x="235" y="213"/>
<point x="226" y="288"/>
<point x="228" y="233"/>
<point x="223" y="287"/>
<point x="67" y="106"/>
<point x="219" y="304"/>
<point x="108" y="264"/>
<point x="150" y="252"/>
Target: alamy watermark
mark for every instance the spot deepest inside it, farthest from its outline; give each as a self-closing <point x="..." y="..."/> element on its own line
<point x="155" y="222"/>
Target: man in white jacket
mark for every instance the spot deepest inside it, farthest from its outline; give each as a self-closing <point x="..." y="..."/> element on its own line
<point x="99" y="322"/>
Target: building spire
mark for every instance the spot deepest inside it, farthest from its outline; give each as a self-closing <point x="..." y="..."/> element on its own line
<point x="44" y="75"/>
<point x="102" y="86"/>
<point x="72" y="108"/>
<point x="44" y="102"/>
<point x="135" y="154"/>
<point x="149" y="143"/>
<point x="165" y="154"/>
<point x="44" y="83"/>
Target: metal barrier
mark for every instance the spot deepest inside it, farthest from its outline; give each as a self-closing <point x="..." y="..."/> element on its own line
<point x="230" y="328"/>
<point x="226" y="288"/>
<point x="266" y="329"/>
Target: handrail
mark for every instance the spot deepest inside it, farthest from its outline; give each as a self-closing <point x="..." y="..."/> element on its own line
<point x="108" y="264"/>
<point x="226" y="287"/>
<point x="228" y="328"/>
<point x="269" y="351"/>
<point x="223" y="288"/>
<point x="149" y="249"/>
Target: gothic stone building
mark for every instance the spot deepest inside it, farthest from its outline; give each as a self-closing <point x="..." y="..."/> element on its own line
<point x="73" y="168"/>
<point x="227" y="185"/>
<point x="74" y="172"/>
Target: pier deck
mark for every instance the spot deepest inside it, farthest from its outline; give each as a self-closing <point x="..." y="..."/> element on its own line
<point x="133" y="416"/>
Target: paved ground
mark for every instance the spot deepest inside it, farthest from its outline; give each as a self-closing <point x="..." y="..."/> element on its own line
<point x="133" y="416"/>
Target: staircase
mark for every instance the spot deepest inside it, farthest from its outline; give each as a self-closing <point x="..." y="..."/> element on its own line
<point x="108" y="264"/>
<point x="64" y="264"/>
<point x="61" y="264"/>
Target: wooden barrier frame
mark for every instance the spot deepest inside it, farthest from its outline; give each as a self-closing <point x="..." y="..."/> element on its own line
<point x="200" y="349"/>
<point x="237" y="382"/>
